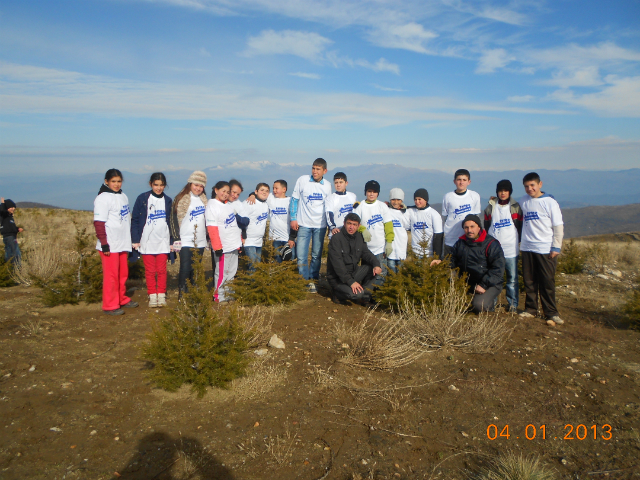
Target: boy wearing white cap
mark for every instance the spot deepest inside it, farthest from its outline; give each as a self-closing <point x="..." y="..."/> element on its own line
<point x="401" y="224"/>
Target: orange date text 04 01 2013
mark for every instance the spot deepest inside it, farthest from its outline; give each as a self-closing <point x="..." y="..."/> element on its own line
<point x="570" y="432"/>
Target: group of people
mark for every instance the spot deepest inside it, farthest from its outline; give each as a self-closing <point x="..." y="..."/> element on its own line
<point x="366" y="239"/>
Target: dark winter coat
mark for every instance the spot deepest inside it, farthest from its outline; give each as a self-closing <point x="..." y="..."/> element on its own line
<point x="482" y="259"/>
<point x="345" y="253"/>
<point x="139" y="219"/>
<point x="8" y="226"/>
<point x="514" y="209"/>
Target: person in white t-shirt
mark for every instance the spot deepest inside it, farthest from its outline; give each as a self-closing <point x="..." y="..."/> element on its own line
<point x="252" y="219"/>
<point x="427" y="237"/>
<point x="540" y="245"/>
<point x="280" y="218"/>
<point x="308" y="218"/>
<point x="226" y="239"/>
<point x="503" y="221"/>
<point x="376" y="226"/>
<point x="188" y="226"/>
<point x="400" y="220"/>
<point x="456" y="206"/>
<point x="112" y="222"/>
<point x="151" y="238"/>
<point x="339" y="204"/>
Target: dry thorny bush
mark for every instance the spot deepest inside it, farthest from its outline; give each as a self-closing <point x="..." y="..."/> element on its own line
<point x="254" y="324"/>
<point x="41" y="263"/>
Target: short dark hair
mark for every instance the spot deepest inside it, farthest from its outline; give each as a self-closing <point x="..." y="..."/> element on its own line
<point x="352" y="217"/>
<point x="233" y="182"/>
<point x="532" y="176"/>
<point x="282" y="182"/>
<point x="158" y="176"/>
<point x="112" y="173"/>
<point x="341" y="175"/>
<point x="262" y="184"/>
<point x="462" y="171"/>
<point x="321" y="162"/>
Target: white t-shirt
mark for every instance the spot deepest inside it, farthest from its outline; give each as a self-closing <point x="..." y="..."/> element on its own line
<point x="540" y="215"/>
<point x="504" y="230"/>
<point x="221" y="215"/>
<point x="400" y="226"/>
<point x="455" y="207"/>
<point x="155" y="233"/>
<point x="258" y="213"/>
<point x="113" y="209"/>
<point x="311" y="197"/>
<point x="340" y="206"/>
<point x="279" y="217"/>
<point x="373" y="216"/>
<point x="194" y="218"/>
<point x="424" y="225"/>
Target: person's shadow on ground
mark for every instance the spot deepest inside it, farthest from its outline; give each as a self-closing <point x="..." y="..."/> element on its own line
<point x="158" y="455"/>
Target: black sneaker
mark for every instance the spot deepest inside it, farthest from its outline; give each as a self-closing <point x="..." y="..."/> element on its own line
<point x="131" y="304"/>
<point x="117" y="311"/>
<point x="335" y="299"/>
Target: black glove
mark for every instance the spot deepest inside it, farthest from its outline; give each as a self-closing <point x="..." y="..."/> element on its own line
<point x="218" y="252"/>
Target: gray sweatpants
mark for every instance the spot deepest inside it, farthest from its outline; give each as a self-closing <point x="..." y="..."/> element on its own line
<point x="226" y="268"/>
<point x="485" y="302"/>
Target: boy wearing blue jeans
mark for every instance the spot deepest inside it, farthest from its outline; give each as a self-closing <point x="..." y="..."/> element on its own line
<point x="308" y="218"/>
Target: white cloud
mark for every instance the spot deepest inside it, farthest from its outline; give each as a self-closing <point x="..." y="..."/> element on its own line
<point x="388" y="89"/>
<point x="311" y="76"/>
<point x="381" y="65"/>
<point x="308" y="45"/>
<point x="520" y="98"/>
<point x="204" y="53"/>
<point x="410" y="36"/>
<point x="585" y="77"/>
<point x="492" y="60"/>
<point x="575" y="56"/>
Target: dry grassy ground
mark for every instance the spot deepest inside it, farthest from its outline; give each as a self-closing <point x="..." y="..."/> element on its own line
<point x="75" y="403"/>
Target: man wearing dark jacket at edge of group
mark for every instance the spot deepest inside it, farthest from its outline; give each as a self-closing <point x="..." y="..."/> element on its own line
<point x="346" y="248"/>
<point x="481" y="257"/>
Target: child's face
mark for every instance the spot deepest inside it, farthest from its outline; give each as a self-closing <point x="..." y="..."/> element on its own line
<point x="262" y="193"/>
<point x="396" y="203"/>
<point x="371" y="195"/>
<point x="222" y="194"/>
<point x="197" y="189"/>
<point x="340" y="184"/>
<point x="234" y="194"/>
<point x="279" y="190"/>
<point x="420" y="202"/>
<point x="533" y="188"/>
<point x="504" y="195"/>
<point x="11" y="210"/>
<point x="317" y="172"/>
<point x="157" y="187"/>
<point x="461" y="182"/>
<point x="114" y="183"/>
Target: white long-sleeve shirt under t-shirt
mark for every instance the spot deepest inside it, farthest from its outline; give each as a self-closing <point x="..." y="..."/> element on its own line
<point x="540" y="215"/>
<point x="400" y="221"/>
<point x="425" y="224"/>
<point x="373" y="216"/>
<point x="194" y="218"/>
<point x="504" y="230"/>
<point x="311" y="196"/>
<point x="258" y="213"/>
<point x="113" y="210"/>
<point x="222" y="215"/>
<point x="455" y="207"/>
<point x="338" y="206"/>
<point x="279" y="217"/>
<point x="155" y="233"/>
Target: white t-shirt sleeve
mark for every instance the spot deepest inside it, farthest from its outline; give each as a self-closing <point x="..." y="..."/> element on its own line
<point x="101" y="208"/>
<point x="297" y="189"/>
<point x="386" y="214"/>
<point x="555" y="214"/>
<point x="476" y="208"/>
<point x="445" y="207"/>
<point x="437" y="222"/>
<point x="210" y="216"/>
<point x="328" y="208"/>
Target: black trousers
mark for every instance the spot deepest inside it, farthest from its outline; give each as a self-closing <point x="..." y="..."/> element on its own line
<point x="186" y="266"/>
<point x="364" y="276"/>
<point x="485" y="302"/>
<point x="539" y="275"/>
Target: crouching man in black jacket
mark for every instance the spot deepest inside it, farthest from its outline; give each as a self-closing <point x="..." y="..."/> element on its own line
<point x="348" y="280"/>
<point x="481" y="257"/>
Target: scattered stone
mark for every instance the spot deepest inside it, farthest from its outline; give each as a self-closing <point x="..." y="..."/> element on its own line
<point x="261" y="351"/>
<point x="453" y="388"/>
<point x="335" y="311"/>
<point x="345" y="346"/>
<point x="564" y="461"/>
<point x="275" y="342"/>
<point x="574" y="360"/>
<point x="257" y="424"/>
<point x="66" y="385"/>
<point x="117" y="438"/>
<point x="602" y="276"/>
<point x="32" y="368"/>
<point x="572" y="293"/>
<point x="464" y="434"/>
<point x="551" y="323"/>
<point x="55" y="429"/>
<point x="93" y="432"/>
<point x="364" y="462"/>
<point x="616" y="273"/>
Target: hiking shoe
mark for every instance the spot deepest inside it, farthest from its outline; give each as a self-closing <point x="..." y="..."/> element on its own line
<point x="162" y="299"/>
<point x="526" y="314"/>
<point x="557" y="319"/>
<point x="153" y="300"/>
<point x="335" y="299"/>
<point x="130" y="304"/>
<point x="117" y="311"/>
<point x="312" y="288"/>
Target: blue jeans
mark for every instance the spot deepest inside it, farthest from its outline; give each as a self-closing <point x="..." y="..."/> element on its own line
<point x="11" y="250"/>
<point x="378" y="280"/>
<point x="186" y="266"/>
<point x="394" y="265"/>
<point x="279" y="243"/>
<point x="255" y="256"/>
<point x="511" y="267"/>
<point x="315" y="237"/>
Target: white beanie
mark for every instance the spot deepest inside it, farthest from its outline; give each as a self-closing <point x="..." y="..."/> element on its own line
<point x="396" y="194"/>
<point x="199" y="178"/>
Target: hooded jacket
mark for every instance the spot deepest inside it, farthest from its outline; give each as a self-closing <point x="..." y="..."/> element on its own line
<point x="514" y="208"/>
<point x="139" y="219"/>
<point x="482" y="259"/>
<point x="8" y="227"/>
<point x="345" y="253"/>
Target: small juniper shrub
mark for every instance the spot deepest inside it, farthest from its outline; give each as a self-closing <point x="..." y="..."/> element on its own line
<point x="271" y="283"/>
<point x="136" y="270"/>
<point x="6" y="280"/>
<point x="418" y="282"/>
<point x="598" y="256"/>
<point x="198" y="344"/>
<point x="572" y="260"/>
<point x="631" y="308"/>
<point x="81" y="278"/>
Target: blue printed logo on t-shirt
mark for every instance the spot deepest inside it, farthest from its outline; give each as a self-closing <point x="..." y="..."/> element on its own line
<point x="229" y="220"/>
<point x="196" y="212"/>
<point x="156" y="215"/>
<point x="373" y="220"/>
<point x="505" y="222"/>
<point x="462" y="209"/>
<point x="396" y="223"/>
<point x="420" y="226"/>
<point x="345" y="209"/>
<point x="531" y="216"/>
<point x="124" y="212"/>
<point x="315" y="196"/>
<point x="261" y="218"/>
<point x="279" y="211"/>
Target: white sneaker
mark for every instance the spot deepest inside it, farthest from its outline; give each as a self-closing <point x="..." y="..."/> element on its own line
<point x="162" y="300"/>
<point x="557" y="319"/>
<point x="312" y="288"/>
<point x="526" y="314"/>
<point x="153" y="300"/>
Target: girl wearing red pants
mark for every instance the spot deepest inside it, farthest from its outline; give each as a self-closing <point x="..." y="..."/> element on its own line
<point x="112" y="221"/>
<point x="150" y="236"/>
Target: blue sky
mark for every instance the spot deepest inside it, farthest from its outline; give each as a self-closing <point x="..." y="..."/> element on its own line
<point x="149" y="85"/>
